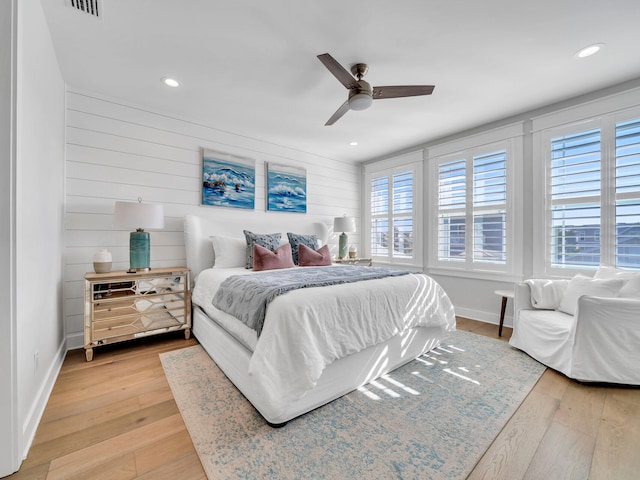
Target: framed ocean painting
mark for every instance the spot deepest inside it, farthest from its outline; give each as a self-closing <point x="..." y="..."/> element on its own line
<point x="286" y="188"/>
<point x="228" y="181"/>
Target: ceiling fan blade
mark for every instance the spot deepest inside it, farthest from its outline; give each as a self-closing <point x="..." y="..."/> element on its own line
<point x="402" y="91"/>
<point x="343" y="76"/>
<point x="344" y="108"/>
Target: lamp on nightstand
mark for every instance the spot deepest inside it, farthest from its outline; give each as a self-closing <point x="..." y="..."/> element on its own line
<point x="343" y="224"/>
<point x="139" y="215"/>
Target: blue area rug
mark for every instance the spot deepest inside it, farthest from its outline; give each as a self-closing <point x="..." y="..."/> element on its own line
<point x="431" y="419"/>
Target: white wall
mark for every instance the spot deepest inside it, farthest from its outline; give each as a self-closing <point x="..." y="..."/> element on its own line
<point x="32" y="132"/>
<point x="9" y="457"/>
<point x="118" y="151"/>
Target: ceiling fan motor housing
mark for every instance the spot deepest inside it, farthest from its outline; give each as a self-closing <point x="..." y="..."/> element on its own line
<point x="360" y="97"/>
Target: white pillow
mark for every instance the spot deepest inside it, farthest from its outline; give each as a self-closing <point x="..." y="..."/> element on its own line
<point x="605" y="272"/>
<point x="228" y="252"/>
<point x="631" y="289"/>
<point x="581" y="285"/>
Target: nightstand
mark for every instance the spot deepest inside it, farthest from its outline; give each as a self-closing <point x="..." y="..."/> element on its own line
<point x="353" y="261"/>
<point x="123" y="306"/>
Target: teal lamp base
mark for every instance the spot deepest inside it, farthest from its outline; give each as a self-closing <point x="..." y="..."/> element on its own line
<point x="139" y="251"/>
<point x="342" y="248"/>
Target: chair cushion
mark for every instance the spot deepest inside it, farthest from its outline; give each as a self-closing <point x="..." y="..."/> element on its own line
<point x="546" y="336"/>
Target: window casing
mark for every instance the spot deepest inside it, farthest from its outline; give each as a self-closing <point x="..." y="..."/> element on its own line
<point x="592" y="194"/>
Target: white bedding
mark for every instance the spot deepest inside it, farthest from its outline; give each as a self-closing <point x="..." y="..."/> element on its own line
<point x="307" y="329"/>
<point x="207" y="283"/>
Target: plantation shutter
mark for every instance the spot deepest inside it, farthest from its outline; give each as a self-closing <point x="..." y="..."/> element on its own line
<point x="452" y="203"/>
<point x="575" y="189"/>
<point x="403" y="214"/>
<point x="380" y="216"/>
<point x="627" y="249"/>
<point x="489" y="207"/>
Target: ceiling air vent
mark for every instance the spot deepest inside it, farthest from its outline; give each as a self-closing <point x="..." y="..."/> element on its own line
<point x="90" y="7"/>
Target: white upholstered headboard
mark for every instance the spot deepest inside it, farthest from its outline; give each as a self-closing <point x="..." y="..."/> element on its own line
<point x="199" y="249"/>
<point x="197" y="243"/>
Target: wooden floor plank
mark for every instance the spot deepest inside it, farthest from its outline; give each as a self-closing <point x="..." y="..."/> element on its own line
<point x="126" y="380"/>
<point x="153" y="456"/>
<point x="91" y="456"/>
<point x="122" y="467"/>
<point x="581" y="408"/>
<point x="57" y="410"/>
<point x="187" y="467"/>
<point x="511" y="452"/>
<point x="75" y="423"/>
<point x="109" y="428"/>
<point x="617" y="453"/>
<point x="564" y="453"/>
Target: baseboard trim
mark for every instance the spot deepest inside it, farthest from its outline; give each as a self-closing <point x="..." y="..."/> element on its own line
<point x="36" y="411"/>
<point x="487" y="317"/>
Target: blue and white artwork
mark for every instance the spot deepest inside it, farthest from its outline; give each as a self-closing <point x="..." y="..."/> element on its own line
<point x="286" y="189"/>
<point x="228" y="183"/>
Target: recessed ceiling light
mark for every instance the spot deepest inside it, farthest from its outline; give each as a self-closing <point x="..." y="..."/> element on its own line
<point x="170" y="82"/>
<point x="590" y="50"/>
<point x="353" y="144"/>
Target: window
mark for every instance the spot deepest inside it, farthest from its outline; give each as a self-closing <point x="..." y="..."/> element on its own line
<point x="574" y="185"/>
<point x="627" y="232"/>
<point x="392" y="199"/>
<point x="472" y="214"/>
<point x="593" y="195"/>
<point x="392" y="216"/>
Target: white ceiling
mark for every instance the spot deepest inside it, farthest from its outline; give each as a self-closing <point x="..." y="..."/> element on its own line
<point x="250" y="67"/>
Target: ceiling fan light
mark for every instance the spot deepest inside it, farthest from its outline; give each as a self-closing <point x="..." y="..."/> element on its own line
<point x="360" y="101"/>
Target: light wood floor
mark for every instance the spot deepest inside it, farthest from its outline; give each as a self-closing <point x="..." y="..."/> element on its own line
<point x="115" y="418"/>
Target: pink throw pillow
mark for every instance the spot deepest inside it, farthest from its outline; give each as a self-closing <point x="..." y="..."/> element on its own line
<point x="308" y="257"/>
<point x="265" y="259"/>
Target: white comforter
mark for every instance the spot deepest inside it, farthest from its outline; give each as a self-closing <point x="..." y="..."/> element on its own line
<point x="307" y="329"/>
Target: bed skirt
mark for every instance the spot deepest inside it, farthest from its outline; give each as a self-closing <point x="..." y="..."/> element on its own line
<point x="337" y="379"/>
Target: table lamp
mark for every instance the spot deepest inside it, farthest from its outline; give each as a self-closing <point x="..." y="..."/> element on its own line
<point x="343" y="224"/>
<point x="139" y="215"/>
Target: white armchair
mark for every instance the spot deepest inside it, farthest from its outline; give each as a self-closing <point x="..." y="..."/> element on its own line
<point x="600" y="342"/>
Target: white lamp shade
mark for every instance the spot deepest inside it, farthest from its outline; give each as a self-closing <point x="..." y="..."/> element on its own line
<point x="138" y="215"/>
<point x="344" y="224"/>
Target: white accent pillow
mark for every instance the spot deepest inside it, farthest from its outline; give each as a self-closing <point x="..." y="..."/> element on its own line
<point x="604" y="272"/>
<point x="228" y="252"/>
<point x="631" y="289"/>
<point x="581" y="285"/>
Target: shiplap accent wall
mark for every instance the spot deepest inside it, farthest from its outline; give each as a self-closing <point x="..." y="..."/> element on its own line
<point x="117" y="151"/>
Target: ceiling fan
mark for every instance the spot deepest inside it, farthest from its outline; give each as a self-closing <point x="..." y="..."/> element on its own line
<point x="361" y="94"/>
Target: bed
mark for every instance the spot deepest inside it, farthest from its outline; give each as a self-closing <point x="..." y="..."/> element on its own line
<point x="310" y="350"/>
